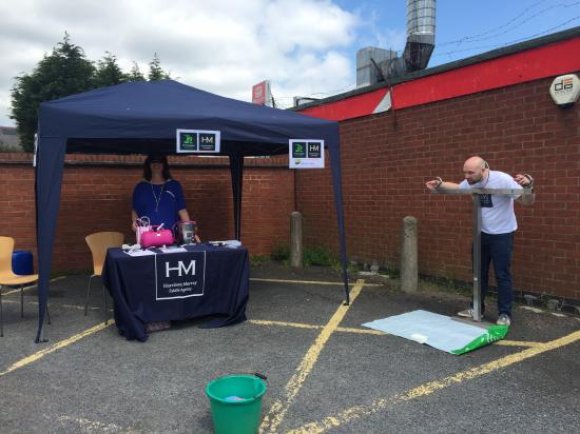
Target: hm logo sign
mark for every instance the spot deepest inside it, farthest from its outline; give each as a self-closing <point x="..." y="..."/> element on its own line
<point x="180" y="270"/>
<point x="180" y="275"/>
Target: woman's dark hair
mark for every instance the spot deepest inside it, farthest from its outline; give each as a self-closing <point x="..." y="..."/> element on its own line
<point x="156" y="158"/>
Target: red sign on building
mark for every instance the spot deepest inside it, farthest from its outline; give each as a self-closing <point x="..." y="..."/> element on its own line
<point x="261" y="93"/>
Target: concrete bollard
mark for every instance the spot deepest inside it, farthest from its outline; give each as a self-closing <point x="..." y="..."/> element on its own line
<point x="296" y="248"/>
<point x="409" y="268"/>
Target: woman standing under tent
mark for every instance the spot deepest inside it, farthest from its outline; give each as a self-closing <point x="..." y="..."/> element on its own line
<point x="159" y="198"/>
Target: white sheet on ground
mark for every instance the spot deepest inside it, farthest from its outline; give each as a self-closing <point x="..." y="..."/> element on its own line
<point x="437" y="331"/>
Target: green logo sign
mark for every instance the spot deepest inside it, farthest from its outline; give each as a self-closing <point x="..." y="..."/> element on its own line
<point x="298" y="150"/>
<point x="188" y="141"/>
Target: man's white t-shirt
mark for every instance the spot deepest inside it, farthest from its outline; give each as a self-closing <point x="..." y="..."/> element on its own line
<point x="497" y="211"/>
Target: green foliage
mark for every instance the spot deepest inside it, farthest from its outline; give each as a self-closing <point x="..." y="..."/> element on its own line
<point x="136" y="74"/>
<point x="281" y="253"/>
<point x="312" y="256"/>
<point x="319" y="256"/>
<point x="64" y="72"/>
<point x="445" y="284"/>
<point x="259" y="260"/>
<point x="108" y="72"/>
<point x="352" y="268"/>
<point x="155" y="70"/>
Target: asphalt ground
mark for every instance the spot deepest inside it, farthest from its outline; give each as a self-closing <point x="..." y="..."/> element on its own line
<point x="325" y="372"/>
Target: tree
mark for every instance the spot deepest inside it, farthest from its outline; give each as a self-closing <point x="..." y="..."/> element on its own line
<point x="136" y="74"/>
<point x="66" y="71"/>
<point x="25" y="102"/>
<point x="155" y="70"/>
<point x="108" y="72"/>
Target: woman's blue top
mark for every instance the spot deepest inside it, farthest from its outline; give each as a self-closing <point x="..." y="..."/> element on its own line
<point x="161" y="203"/>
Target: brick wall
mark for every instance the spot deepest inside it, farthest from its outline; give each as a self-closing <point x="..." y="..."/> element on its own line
<point x="96" y="196"/>
<point x="386" y="159"/>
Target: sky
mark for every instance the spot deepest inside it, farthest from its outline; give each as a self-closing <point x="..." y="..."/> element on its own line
<point x="305" y="48"/>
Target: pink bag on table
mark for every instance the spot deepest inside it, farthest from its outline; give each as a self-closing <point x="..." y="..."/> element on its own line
<point x="156" y="238"/>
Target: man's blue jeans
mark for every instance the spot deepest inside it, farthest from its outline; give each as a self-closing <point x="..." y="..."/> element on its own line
<point x="497" y="249"/>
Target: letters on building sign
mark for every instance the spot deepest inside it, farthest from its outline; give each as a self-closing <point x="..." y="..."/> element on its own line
<point x="563" y="84"/>
<point x="565" y="90"/>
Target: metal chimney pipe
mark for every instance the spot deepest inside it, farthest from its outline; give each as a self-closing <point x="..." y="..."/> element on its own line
<point x="420" y="34"/>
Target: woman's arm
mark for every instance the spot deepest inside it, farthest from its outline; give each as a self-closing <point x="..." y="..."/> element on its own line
<point x="184" y="215"/>
<point x="134" y="218"/>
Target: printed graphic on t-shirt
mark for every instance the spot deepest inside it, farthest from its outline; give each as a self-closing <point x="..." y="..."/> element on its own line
<point x="485" y="201"/>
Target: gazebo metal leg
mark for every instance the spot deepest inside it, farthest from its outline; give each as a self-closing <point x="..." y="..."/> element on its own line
<point x="1" y="316"/>
<point x="88" y="295"/>
<point x="105" y="303"/>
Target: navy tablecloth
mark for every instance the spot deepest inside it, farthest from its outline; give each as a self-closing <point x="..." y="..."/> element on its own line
<point x="220" y="287"/>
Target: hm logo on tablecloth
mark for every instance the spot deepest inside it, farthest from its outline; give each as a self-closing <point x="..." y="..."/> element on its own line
<point x="182" y="269"/>
<point x="180" y="275"/>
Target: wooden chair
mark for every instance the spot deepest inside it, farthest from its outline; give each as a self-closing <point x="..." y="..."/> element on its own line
<point x="99" y="242"/>
<point x="8" y="278"/>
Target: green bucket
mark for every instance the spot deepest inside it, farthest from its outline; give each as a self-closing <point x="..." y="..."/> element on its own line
<point x="236" y="403"/>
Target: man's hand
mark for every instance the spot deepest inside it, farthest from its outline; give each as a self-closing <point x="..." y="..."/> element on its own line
<point x="524" y="180"/>
<point x="434" y="184"/>
<point x="527" y="182"/>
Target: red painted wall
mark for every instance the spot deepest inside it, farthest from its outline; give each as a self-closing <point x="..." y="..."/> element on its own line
<point x="536" y="63"/>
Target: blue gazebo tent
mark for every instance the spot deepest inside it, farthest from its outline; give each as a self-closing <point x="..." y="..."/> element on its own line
<point x="142" y="118"/>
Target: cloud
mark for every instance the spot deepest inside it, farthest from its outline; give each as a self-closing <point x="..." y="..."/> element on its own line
<point x="381" y="35"/>
<point x="222" y="46"/>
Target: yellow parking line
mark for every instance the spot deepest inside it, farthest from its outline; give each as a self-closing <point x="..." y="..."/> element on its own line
<point x="426" y="389"/>
<point x="279" y="408"/>
<point x="361" y="331"/>
<point x="299" y="325"/>
<point x="26" y="288"/>
<point x="284" y="324"/>
<point x="307" y="282"/>
<point x="505" y="343"/>
<point x="61" y="344"/>
<point x="508" y="343"/>
<point x="302" y="282"/>
<point x="71" y="306"/>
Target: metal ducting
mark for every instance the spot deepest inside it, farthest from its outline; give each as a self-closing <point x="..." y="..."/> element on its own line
<point x="368" y="61"/>
<point x="420" y="34"/>
<point x="374" y="65"/>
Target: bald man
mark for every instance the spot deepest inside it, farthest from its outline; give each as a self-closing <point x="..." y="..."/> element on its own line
<point x="498" y="224"/>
